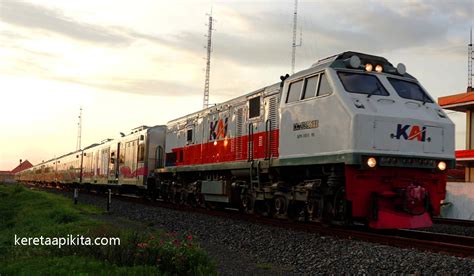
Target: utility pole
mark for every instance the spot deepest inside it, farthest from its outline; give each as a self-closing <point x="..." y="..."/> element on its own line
<point x="469" y="64"/>
<point x="294" y="45"/>
<point x="208" y="61"/>
<point x="79" y="130"/>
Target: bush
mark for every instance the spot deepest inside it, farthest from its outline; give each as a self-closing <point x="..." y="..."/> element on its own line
<point x="32" y="213"/>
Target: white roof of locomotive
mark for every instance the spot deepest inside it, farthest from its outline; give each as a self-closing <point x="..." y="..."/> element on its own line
<point x="242" y="98"/>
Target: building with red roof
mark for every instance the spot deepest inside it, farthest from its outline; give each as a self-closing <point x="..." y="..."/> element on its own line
<point x="463" y="102"/>
<point x="9" y="176"/>
<point x="23" y="166"/>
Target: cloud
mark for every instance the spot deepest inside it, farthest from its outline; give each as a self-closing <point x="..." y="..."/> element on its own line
<point x="150" y="87"/>
<point x="257" y="36"/>
<point x="375" y="27"/>
<point x="37" y="17"/>
<point x="32" y="16"/>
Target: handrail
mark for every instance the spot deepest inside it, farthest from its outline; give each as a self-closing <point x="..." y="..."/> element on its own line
<point x="250" y="142"/>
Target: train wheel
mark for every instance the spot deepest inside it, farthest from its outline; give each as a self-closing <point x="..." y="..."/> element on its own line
<point x="247" y="204"/>
<point x="263" y="208"/>
<point x="340" y="206"/>
<point x="200" y="201"/>
<point x="182" y="197"/>
<point x="281" y="206"/>
<point x="297" y="212"/>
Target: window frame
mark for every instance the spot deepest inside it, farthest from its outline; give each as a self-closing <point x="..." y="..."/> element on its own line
<point x="259" y="97"/>
<point x="321" y="74"/>
<point x="427" y="96"/>
<point x="303" y="89"/>
<point x="363" y="74"/>
<point x="188" y="140"/>
<point x="303" y="92"/>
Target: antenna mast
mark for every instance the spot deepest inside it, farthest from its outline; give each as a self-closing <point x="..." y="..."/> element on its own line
<point x="294" y="45"/>
<point x="79" y="130"/>
<point x="208" y="61"/>
<point x="470" y="58"/>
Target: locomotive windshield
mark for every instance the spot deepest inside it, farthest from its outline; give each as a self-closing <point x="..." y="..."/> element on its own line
<point x="409" y="90"/>
<point x="362" y="84"/>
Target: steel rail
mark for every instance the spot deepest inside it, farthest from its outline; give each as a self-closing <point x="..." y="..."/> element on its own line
<point x="460" y="222"/>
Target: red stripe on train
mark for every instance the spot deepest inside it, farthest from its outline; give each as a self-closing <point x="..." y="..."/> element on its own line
<point x="263" y="144"/>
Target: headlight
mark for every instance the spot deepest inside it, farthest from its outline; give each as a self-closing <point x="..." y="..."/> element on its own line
<point x="371" y="162"/>
<point x="378" y="68"/>
<point x="442" y="165"/>
<point x="368" y="67"/>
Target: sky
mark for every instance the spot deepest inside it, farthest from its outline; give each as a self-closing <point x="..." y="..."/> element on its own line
<point x="133" y="63"/>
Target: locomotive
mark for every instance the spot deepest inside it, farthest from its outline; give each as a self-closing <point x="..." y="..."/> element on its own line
<point x="352" y="139"/>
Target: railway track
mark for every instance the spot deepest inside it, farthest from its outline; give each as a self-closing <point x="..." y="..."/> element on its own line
<point x="459" y="222"/>
<point x="460" y="246"/>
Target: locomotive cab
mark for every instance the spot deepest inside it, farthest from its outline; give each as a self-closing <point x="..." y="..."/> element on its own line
<point x="378" y="131"/>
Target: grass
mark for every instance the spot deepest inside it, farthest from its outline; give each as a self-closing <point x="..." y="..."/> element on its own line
<point x="265" y="266"/>
<point x="27" y="213"/>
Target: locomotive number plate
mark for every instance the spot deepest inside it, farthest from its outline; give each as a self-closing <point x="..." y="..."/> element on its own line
<point x="306" y="125"/>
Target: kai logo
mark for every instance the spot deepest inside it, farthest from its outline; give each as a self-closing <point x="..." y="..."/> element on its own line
<point x="218" y="129"/>
<point x="411" y="132"/>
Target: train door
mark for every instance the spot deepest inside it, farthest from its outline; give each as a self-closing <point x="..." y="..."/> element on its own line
<point x="87" y="163"/>
<point x="140" y="167"/>
<point x="189" y="152"/>
<point x="104" y="165"/>
<point x="121" y="161"/>
<point x="96" y="165"/>
<point x="271" y="126"/>
<point x="159" y="157"/>
<point x="129" y="170"/>
<point x="255" y="133"/>
<point x="113" y="164"/>
<point x="154" y="151"/>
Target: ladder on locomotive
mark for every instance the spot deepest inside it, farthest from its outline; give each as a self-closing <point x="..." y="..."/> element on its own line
<point x="254" y="164"/>
<point x="255" y="171"/>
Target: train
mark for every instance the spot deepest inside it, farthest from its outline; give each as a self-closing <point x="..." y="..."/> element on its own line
<point x="351" y="140"/>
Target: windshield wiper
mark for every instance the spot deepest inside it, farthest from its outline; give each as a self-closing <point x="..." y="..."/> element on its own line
<point x="375" y="90"/>
<point x="424" y="99"/>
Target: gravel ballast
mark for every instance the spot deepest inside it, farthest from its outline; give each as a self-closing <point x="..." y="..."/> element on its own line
<point x="240" y="247"/>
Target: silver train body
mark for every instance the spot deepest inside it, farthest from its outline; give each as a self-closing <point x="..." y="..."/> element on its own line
<point x="352" y="138"/>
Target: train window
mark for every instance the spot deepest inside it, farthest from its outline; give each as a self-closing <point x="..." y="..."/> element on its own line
<point x="310" y="87"/>
<point x="159" y="157"/>
<point x="171" y="159"/>
<point x="254" y="107"/>
<point x="294" y="91"/>
<point x="189" y="135"/>
<point x="324" y="87"/>
<point x="409" y="90"/>
<point x="362" y="84"/>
